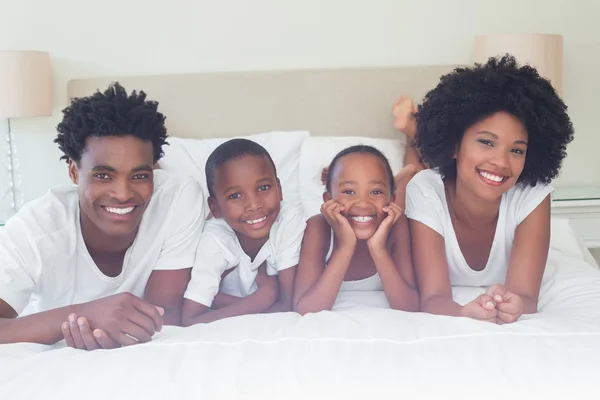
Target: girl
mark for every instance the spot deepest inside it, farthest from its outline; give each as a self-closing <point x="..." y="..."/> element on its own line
<point x="361" y="239"/>
<point x="495" y="136"/>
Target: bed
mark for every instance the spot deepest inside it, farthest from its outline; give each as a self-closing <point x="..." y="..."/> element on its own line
<point x="361" y="349"/>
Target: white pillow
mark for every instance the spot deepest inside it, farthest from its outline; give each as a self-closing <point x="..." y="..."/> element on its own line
<point x="317" y="153"/>
<point x="188" y="157"/>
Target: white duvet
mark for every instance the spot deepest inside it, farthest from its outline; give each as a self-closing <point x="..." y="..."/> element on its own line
<point x="355" y="351"/>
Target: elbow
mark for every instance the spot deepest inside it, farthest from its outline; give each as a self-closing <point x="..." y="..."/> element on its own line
<point x="410" y="304"/>
<point x="270" y="295"/>
<point x="187" y="320"/>
<point x="302" y="307"/>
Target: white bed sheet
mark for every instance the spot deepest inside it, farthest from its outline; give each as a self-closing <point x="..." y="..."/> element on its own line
<point x="353" y="352"/>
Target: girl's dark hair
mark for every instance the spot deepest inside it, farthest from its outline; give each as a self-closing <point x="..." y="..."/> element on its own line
<point x="361" y="149"/>
<point x="469" y="95"/>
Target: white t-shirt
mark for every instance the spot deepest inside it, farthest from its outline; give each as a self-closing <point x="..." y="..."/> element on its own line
<point x="219" y="250"/>
<point x="426" y="203"/>
<point x="44" y="262"/>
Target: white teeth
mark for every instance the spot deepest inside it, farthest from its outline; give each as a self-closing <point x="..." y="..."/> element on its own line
<point x="256" y="221"/>
<point x="120" y="211"/>
<point x="362" y="219"/>
<point x="491" y="177"/>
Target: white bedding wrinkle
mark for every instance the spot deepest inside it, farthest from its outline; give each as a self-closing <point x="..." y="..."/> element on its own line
<point x="356" y="351"/>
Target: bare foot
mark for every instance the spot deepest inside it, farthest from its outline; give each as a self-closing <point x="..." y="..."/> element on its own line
<point x="324" y="176"/>
<point x="404" y="119"/>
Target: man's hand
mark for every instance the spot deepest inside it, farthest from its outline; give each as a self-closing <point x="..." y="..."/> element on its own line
<point x="114" y="321"/>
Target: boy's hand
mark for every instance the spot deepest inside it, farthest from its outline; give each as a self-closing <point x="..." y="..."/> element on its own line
<point x="482" y="308"/>
<point x="332" y="211"/>
<point x="378" y="241"/>
<point x="508" y="304"/>
<point x="123" y="318"/>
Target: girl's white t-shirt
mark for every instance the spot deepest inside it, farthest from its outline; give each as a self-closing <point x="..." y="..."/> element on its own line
<point x="45" y="264"/>
<point x="219" y="250"/>
<point x="426" y="203"/>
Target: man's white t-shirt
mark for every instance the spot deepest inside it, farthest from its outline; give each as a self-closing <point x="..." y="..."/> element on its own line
<point x="426" y="203"/>
<point x="219" y="250"/>
<point x="44" y="262"/>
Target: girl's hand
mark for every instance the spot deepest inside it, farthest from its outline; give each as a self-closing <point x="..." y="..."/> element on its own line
<point x="344" y="234"/>
<point x="378" y="241"/>
<point x="508" y="304"/>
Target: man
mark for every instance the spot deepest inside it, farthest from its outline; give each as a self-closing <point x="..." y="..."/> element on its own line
<point x="123" y="232"/>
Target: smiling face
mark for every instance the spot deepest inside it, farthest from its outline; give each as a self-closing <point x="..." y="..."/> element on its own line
<point x="115" y="183"/>
<point x="247" y="195"/>
<point x="361" y="183"/>
<point x="491" y="155"/>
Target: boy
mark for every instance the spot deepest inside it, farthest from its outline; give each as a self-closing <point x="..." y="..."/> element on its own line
<point x="94" y="249"/>
<point x="253" y="237"/>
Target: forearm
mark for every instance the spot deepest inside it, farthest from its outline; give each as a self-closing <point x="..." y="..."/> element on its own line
<point x="255" y="303"/>
<point x="281" y="305"/>
<point x="44" y="327"/>
<point x="530" y="305"/>
<point x="399" y="293"/>
<point x="324" y="292"/>
<point x="223" y="300"/>
<point x="441" y="305"/>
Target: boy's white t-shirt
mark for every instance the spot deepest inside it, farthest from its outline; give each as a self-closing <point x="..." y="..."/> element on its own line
<point x="219" y="250"/>
<point x="426" y="203"/>
<point x="44" y="262"/>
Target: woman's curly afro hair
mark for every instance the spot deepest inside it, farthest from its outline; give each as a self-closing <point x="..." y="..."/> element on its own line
<point x="112" y="113"/>
<point x="468" y="95"/>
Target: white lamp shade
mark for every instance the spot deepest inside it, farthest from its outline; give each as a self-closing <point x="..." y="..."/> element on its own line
<point x="544" y="52"/>
<point x="25" y="84"/>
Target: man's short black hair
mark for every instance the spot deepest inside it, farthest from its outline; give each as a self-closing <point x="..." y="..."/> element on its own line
<point x="231" y="150"/>
<point x="360" y="149"/>
<point x="112" y="113"/>
<point x="469" y="95"/>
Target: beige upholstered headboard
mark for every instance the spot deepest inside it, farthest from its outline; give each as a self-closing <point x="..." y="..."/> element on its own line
<point x="328" y="102"/>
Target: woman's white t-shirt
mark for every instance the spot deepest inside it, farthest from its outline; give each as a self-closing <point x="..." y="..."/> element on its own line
<point x="45" y="264"/>
<point x="219" y="250"/>
<point x="426" y="203"/>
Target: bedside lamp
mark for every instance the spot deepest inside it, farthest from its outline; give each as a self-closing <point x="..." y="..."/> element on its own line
<point x="25" y="91"/>
<point x="544" y="52"/>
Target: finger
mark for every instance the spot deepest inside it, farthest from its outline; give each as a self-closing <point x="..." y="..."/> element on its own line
<point x="75" y="333"/>
<point x="486" y="302"/>
<point x="67" y="335"/>
<point x="150" y="311"/>
<point x="104" y="341"/>
<point x="137" y="332"/>
<point x="86" y="334"/>
<point x="142" y="321"/>
<point x="395" y="212"/>
<point x="496" y="291"/>
<point x="507" y="318"/>
<point x="397" y="208"/>
<point x="508" y="307"/>
<point x="125" y="339"/>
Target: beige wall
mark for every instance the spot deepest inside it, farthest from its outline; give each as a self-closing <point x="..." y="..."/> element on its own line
<point x="133" y="37"/>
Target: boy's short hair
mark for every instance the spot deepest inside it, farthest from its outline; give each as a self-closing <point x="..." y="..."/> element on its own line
<point x="361" y="149"/>
<point x="112" y="113"/>
<point x="231" y="150"/>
